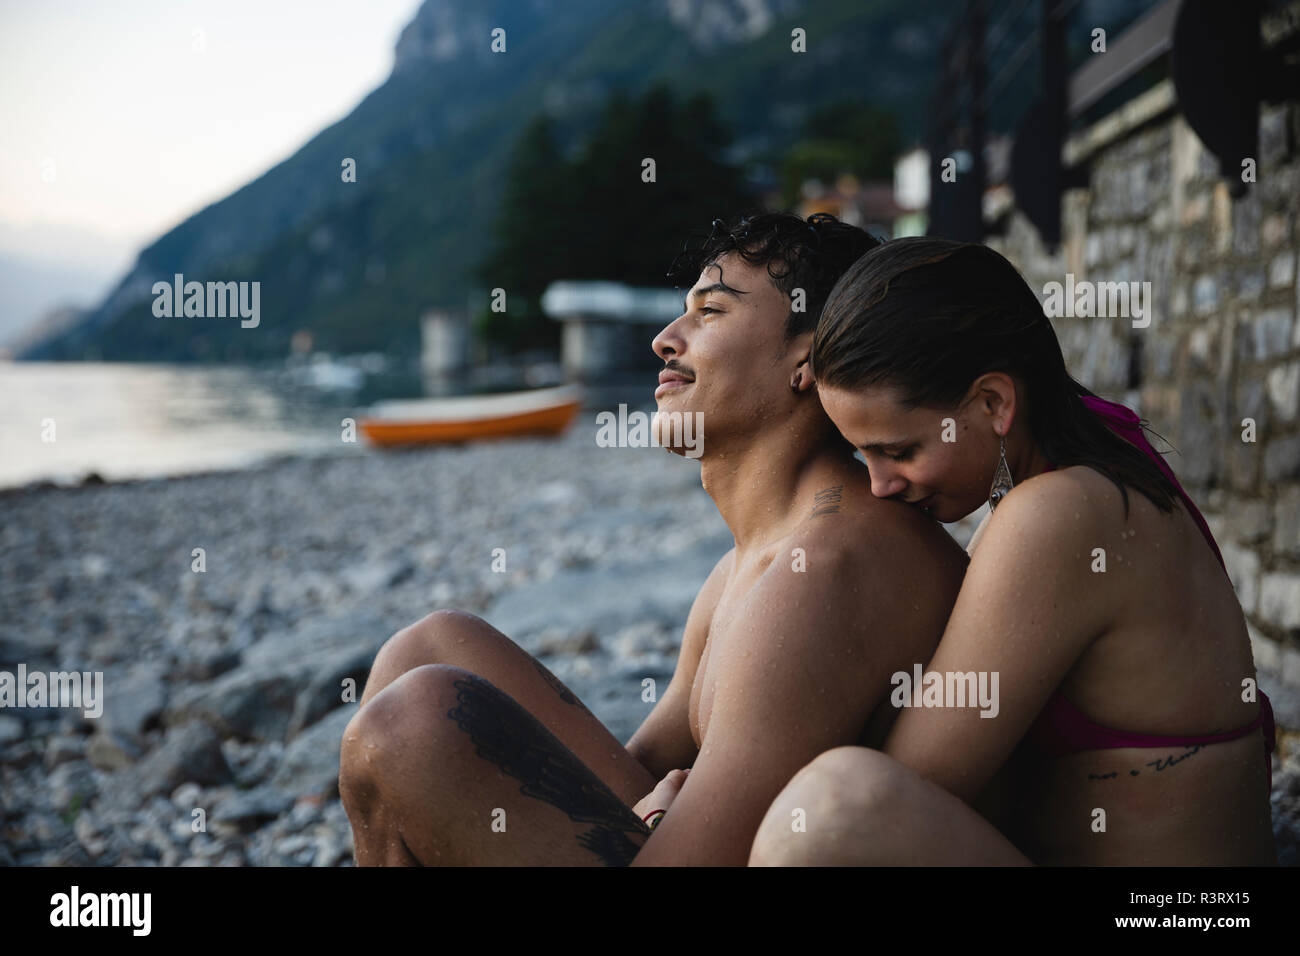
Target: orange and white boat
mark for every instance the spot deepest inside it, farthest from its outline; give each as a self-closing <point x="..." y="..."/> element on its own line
<point x="541" y="411"/>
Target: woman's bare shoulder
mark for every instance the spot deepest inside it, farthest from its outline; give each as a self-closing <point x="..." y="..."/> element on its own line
<point x="1077" y="491"/>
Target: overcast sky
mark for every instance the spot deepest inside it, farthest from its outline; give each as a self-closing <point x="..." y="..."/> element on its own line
<point x="119" y="118"/>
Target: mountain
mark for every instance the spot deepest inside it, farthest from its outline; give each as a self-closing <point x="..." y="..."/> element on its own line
<point x="31" y="288"/>
<point x="357" y="262"/>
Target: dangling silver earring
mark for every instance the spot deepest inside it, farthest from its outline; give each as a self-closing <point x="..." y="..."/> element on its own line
<point x="1002" y="482"/>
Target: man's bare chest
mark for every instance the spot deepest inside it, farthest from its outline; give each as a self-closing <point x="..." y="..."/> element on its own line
<point x="721" y="647"/>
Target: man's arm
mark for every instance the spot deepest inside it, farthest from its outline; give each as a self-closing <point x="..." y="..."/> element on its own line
<point x="796" y="677"/>
<point x="664" y="742"/>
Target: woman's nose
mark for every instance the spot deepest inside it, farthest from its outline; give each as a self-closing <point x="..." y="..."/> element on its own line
<point x="885" y="484"/>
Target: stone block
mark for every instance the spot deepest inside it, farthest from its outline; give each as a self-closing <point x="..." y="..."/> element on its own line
<point x="1279" y="601"/>
<point x="1281" y="271"/>
<point x="1205" y="294"/>
<point x="1282" y="459"/>
<point x="1271" y="330"/>
<point x="1248" y="521"/>
<point x="1286" y="522"/>
<point x="1284" y="390"/>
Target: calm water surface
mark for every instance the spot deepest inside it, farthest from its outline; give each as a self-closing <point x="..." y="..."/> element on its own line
<point x="135" y="421"/>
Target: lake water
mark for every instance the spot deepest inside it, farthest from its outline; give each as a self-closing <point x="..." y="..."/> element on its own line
<point x="135" y="421"/>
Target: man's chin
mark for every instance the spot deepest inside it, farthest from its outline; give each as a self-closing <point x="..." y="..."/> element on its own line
<point x="679" y="430"/>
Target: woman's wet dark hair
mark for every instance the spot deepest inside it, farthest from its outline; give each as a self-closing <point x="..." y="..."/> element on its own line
<point x="928" y="316"/>
<point x="799" y="254"/>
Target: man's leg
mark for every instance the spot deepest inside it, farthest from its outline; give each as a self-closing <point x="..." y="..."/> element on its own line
<point x="466" y="641"/>
<point x="441" y="768"/>
<point x="861" y="807"/>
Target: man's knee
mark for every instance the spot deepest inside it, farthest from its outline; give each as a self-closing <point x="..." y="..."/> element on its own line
<point x="404" y="720"/>
<point x="430" y="640"/>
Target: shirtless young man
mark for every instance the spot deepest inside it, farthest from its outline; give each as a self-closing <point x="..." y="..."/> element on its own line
<point x="466" y="750"/>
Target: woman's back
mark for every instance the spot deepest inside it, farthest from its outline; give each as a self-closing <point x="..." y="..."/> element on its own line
<point x="1172" y="663"/>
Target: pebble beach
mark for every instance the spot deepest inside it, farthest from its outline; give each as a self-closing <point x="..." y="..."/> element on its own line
<point x="223" y="685"/>
<point x="228" y="613"/>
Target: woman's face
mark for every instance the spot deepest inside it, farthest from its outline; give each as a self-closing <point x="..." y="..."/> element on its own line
<point x="934" y="458"/>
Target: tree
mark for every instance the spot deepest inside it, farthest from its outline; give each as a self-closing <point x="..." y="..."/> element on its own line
<point x="596" y="217"/>
<point x="845" y="136"/>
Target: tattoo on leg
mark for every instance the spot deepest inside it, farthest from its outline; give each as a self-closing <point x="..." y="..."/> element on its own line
<point x="564" y="693"/>
<point x="523" y="748"/>
<point x="826" y="501"/>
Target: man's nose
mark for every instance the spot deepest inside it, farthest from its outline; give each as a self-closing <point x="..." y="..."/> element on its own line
<point x="668" y="343"/>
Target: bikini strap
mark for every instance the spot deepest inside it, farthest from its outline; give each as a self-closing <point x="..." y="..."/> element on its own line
<point x="1124" y="422"/>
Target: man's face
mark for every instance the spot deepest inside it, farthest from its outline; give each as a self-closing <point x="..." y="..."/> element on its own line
<point x="726" y="357"/>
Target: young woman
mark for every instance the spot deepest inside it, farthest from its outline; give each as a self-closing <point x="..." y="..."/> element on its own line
<point x="1127" y="728"/>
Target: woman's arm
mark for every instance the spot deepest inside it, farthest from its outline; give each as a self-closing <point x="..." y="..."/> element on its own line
<point x="1030" y="605"/>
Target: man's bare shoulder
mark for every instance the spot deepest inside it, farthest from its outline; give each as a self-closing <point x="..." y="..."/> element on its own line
<point x="711" y="590"/>
<point x="847" y="517"/>
<point x="864" y="565"/>
<point x="703" y="608"/>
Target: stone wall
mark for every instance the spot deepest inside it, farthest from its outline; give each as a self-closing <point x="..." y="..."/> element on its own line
<point x="1223" y="344"/>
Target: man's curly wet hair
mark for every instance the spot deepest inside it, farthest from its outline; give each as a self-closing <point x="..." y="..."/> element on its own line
<point x="803" y="254"/>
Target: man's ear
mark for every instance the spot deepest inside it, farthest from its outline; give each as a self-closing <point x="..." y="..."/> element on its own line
<point x="801" y="378"/>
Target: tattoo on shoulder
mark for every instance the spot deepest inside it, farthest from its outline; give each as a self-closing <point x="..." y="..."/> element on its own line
<point x="508" y="736"/>
<point x="1157" y="765"/>
<point x="827" y="501"/>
